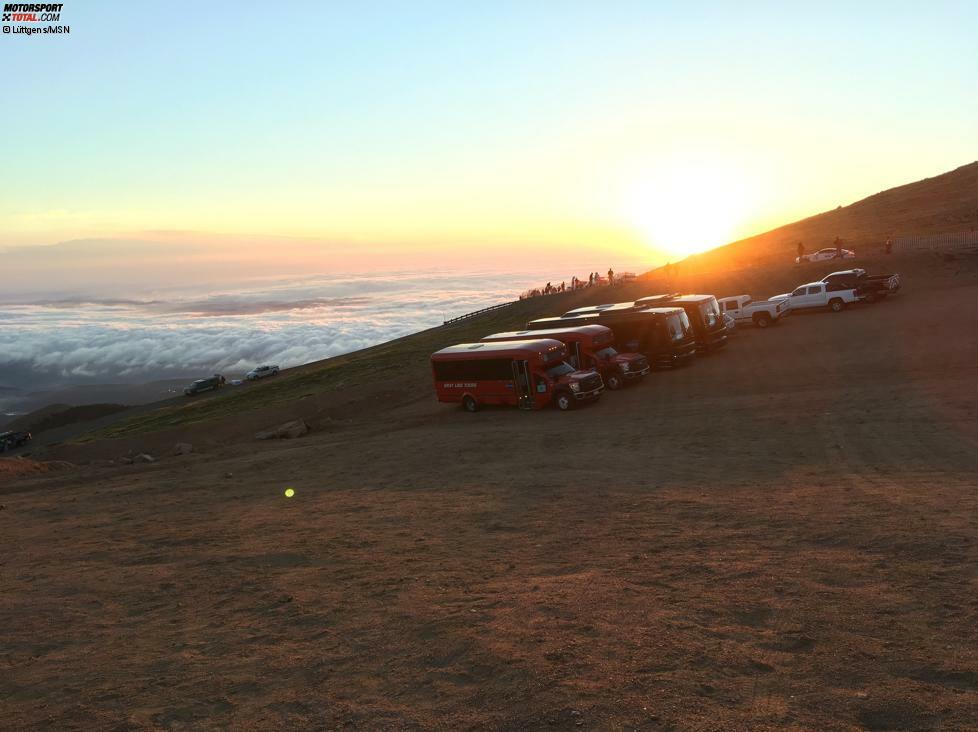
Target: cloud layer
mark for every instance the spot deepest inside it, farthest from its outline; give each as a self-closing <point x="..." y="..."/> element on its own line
<point x="81" y="340"/>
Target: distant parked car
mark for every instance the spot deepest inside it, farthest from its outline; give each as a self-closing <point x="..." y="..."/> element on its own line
<point x="761" y="313"/>
<point x="823" y="255"/>
<point x="13" y="440"/>
<point x="211" y="383"/>
<point x="261" y="372"/>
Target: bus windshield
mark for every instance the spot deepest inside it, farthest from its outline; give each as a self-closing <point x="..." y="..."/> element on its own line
<point x="710" y="312"/>
<point x="606" y="354"/>
<point x="677" y="328"/>
<point x="561" y="369"/>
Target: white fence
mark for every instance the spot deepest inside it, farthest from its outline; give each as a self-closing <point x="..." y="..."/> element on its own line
<point x="963" y="240"/>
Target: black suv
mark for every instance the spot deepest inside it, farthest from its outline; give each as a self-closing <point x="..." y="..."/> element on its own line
<point x="13" y="440"/>
<point x="211" y="383"/>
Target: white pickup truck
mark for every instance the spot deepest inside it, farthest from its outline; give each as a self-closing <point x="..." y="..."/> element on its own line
<point x="835" y="297"/>
<point x="761" y="313"/>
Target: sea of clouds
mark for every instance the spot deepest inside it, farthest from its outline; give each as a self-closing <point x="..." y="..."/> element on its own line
<point x="53" y="341"/>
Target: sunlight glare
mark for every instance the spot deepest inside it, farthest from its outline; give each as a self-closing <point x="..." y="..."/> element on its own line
<point x="690" y="207"/>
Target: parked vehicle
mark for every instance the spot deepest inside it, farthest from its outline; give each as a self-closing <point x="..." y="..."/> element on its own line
<point x="761" y="313"/>
<point x="261" y="372"/>
<point x="13" y="440"/>
<point x="835" y="297"/>
<point x="211" y="383"/>
<point x="530" y="374"/>
<point x="869" y="288"/>
<point x="703" y="312"/>
<point x="730" y="324"/>
<point x="607" y="307"/>
<point x="824" y="255"/>
<point x="589" y="347"/>
<point x="663" y="335"/>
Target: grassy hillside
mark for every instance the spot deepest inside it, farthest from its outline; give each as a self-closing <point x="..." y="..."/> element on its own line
<point x="408" y="356"/>
<point x="59" y="415"/>
<point x="946" y="203"/>
<point x="364" y="366"/>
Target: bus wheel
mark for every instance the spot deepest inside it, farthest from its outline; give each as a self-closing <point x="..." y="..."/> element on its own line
<point x="564" y="401"/>
<point x="613" y="382"/>
<point x="469" y="404"/>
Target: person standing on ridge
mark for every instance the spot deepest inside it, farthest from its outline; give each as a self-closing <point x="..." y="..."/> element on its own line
<point x="611" y="276"/>
<point x="801" y="252"/>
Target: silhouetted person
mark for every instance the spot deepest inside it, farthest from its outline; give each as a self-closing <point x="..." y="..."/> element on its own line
<point x="801" y="252"/>
<point x="611" y="276"/>
<point x="838" y="248"/>
<point x="888" y="248"/>
<point x="590" y="279"/>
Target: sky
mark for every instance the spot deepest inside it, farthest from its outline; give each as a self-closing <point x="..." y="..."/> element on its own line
<point x="316" y="137"/>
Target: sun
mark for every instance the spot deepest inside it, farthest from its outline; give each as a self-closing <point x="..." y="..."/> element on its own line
<point x="689" y="208"/>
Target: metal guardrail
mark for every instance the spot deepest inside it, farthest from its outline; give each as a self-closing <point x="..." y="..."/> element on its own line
<point x="960" y="240"/>
<point x="502" y="305"/>
<point x="479" y="312"/>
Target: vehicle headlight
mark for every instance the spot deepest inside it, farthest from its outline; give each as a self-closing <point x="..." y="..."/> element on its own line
<point x="575" y="386"/>
<point x="624" y="368"/>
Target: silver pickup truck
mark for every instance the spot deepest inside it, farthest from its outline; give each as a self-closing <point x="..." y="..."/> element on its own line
<point x="761" y="313"/>
<point x="829" y="295"/>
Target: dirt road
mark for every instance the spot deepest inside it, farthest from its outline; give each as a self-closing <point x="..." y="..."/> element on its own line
<point x="782" y="536"/>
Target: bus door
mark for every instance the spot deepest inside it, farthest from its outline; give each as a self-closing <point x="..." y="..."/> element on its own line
<point x="522" y="384"/>
<point x="576" y="359"/>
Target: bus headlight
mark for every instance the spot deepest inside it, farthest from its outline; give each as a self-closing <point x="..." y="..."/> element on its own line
<point x="575" y="386"/>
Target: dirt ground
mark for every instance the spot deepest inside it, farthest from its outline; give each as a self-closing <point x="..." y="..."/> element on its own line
<point x="782" y="536"/>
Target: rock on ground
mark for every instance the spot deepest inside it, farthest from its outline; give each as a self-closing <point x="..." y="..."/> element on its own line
<point x="284" y="431"/>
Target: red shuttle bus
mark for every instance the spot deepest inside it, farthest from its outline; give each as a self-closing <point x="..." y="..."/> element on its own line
<point x="530" y="374"/>
<point x="589" y="346"/>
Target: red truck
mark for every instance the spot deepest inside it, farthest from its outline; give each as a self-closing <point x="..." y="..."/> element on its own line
<point x="590" y="346"/>
<point x="530" y="374"/>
